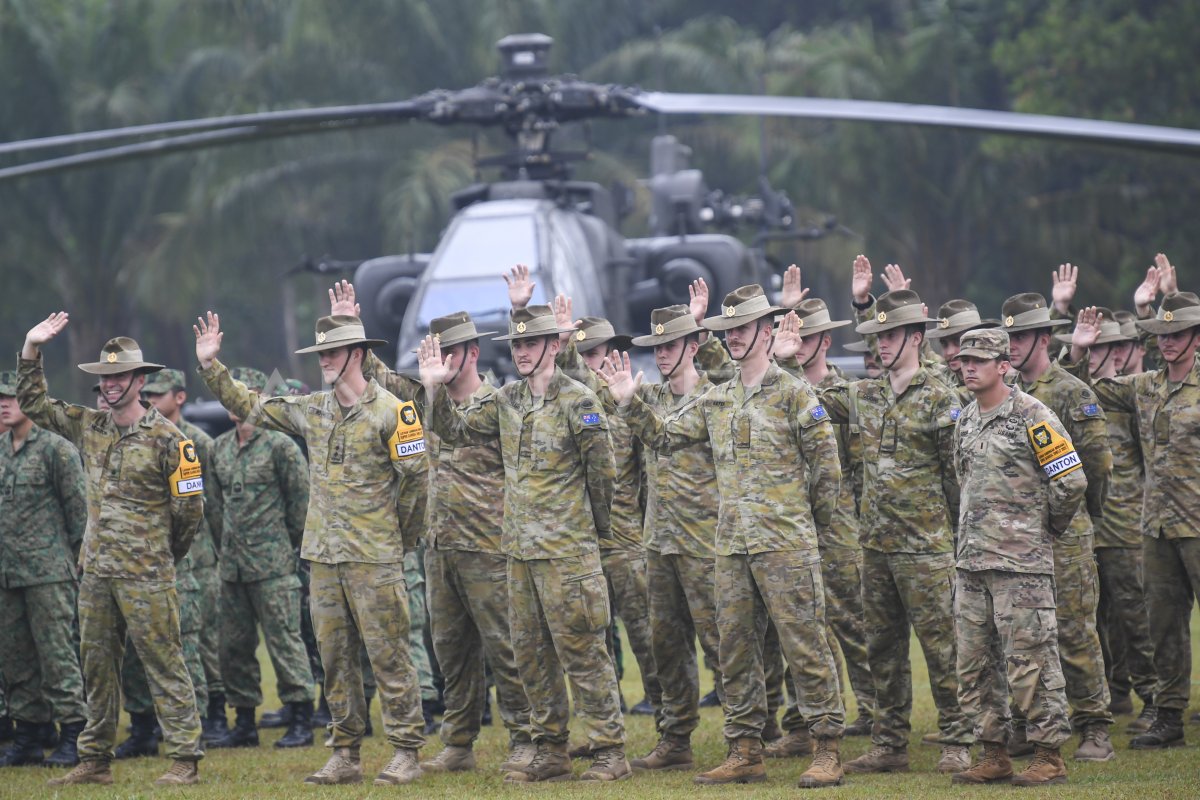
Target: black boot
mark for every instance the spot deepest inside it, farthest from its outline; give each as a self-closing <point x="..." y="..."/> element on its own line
<point x="216" y="724"/>
<point x="6" y="728"/>
<point x="47" y="735"/>
<point x="244" y="733"/>
<point x="26" y="747"/>
<point x="277" y="719"/>
<point x="322" y="718"/>
<point x="142" y="739"/>
<point x="710" y="700"/>
<point x="299" y="733"/>
<point x="66" y="754"/>
<point x="1167" y="731"/>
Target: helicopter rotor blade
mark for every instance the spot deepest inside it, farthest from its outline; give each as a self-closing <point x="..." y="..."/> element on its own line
<point x="1117" y="133"/>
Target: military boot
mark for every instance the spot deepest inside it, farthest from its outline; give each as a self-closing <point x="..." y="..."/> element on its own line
<point x="826" y="768"/>
<point x="608" y="764"/>
<point x="671" y="753"/>
<point x="861" y="726"/>
<point x="1120" y="704"/>
<point x="184" y="772"/>
<point x="743" y="764"/>
<point x="451" y="759"/>
<point x="143" y="738"/>
<point x="710" y="700"/>
<point x="955" y="758"/>
<point x="550" y="763"/>
<point x="6" y="728"/>
<point x="1046" y="767"/>
<point x="343" y="766"/>
<point x="1019" y="745"/>
<point x="580" y="751"/>
<point x="792" y="744"/>
<point x="1143" y="722"/>
<point x="645" y="708"/>
<point x="994" y="767"/>
<point x="1167" y="731"/>
<point x="48" y="736"/>
<point x="299" y="732"/>
<point x="244" y="733"/>
<point x="67" y="752"/>
<point x="1094" y="744"/>
<point x="402" y="769"/>
<point x="85" y="772"/>
<point x="519" y="756"/>
<point x="427" y="714"/>
<point x="880" y="758"/>
<point x="26" y="749"/>
<point x="280" y="718"/>
<point x="216" y="724"/>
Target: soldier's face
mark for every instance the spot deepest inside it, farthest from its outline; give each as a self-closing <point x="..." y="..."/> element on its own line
<point x="10" y="412"/>
<point x="809" y="345"/>
<point x="595" y="357"/>
<point x="950" y="350"/>
<point x="1132" y="364"/>
<point x="982" y="374"/>
<point x="1102" y="356"/>
<point x="534" y="353"/>
<point x="742" y="339"/>
<point x="119" y="390"/>
<point x="894" y="345"/>
<point x="670" y="355"/>
<point x="1179" y="346"/>
<point x="332" y="362"/>
<point x="167" y="403"/>
<point x="1022" y="343"/>
<point x="871" y="365"/>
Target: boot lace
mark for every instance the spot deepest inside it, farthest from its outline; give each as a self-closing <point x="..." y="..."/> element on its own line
<point x="402" y="758"/>
<point x="606" y="758"/>
<point x="182" y="769"/>
<point x="825" y="758"/>
<point x="1041" y="757"/>
<point x="334" y="764"/>
<point x="1096" y="735"/>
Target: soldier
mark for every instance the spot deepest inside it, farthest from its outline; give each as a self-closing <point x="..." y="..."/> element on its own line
<point x="1029" y="325"/>
<point x="558" y="470"/>
<point x="1020" y="486"/>
<point x="366" y="466"/>
<point x="43" y="513"/>
<point x="145" y="502"/>
<point x="954" y="318"/>
<point x="778" y="475"/>
<point x="265" y="492"/>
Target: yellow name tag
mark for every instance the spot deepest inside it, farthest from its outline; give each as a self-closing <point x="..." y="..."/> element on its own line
<point x="186" y="480"/>
<point x="409" y="438"/>
<point x="1056" y="456"/>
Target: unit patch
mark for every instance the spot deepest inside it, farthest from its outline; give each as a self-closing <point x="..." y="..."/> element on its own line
<point x="1054" y="453"/>
<point x="187" y="479"/>
<point x="409" y="437"/>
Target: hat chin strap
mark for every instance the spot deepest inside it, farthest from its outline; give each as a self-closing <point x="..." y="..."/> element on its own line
<point x="903" y="345"/>
<point x="1183" y="353"/>
<point x="542" y="357"/>
<point x="678" y="361"/>
<point x="1103" y="361"/>
<point x="750" y="346"/>
<point x="342" y="371"/>
<point x="122" y="397"/>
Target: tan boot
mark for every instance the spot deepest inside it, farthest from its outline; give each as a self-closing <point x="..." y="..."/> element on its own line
<point x="85" y="772"/>
<point x="826" y="767"/>
<point x="880" y="758"/>
<point x="519" y="756"/>
<point x="671" y="753"/>
<point x="609" y="765"/>
<point x="550" y="763"/>
<point x="181" y="773"/>
<point x="792" y="744"/>
<point x="402" y="769"/>
<point x="744" y="764"/>
<point x="994" y="767"/>
<point x="342" y="767"/>
<point x="581" y="751"/>
<point x="1095" y="744"/>
<point x="955" y="758"/>
<point x="451" y="759"/>
<point x="1046" y="767"/>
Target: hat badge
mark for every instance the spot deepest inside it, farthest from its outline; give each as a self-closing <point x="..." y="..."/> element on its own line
<point x="881" y="316"/>
<point x="581" y="335"/>
<point x="800" y="324"/>
<point x="658" y="329"/>
<point x="321" y="337"/>
<point x="1168" y="316"/>
<point x="730" y="311"/>
<point x="1008" y="321"/>
<point x="112" y="357"/>
<point x="437" y="337"/>
<point x="520" y="327"/>
<point x="944" y="323"/>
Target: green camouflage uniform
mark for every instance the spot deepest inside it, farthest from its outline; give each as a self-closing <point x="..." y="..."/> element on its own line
<point x="43" y="513"/>
<point x="203" y="558"/>
<point x="1012" y="506"/>
<point x="778" y="476"/>
<point x="265" y="491"/>
<point x="366" y="497"/>
<point x="558" y="487"/>
<point x="137" y="530"/>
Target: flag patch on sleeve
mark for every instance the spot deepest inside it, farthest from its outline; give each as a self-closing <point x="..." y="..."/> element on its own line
<point x="1091" y="410"/>
<point x="818" y="412"/>
<point x="590" y="419"/>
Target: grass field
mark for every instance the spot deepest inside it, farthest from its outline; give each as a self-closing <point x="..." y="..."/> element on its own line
<point x="270" y="773"/>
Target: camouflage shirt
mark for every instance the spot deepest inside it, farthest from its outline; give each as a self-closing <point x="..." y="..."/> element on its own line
<point x="43" y="510"/>
<point x="1021" y="485"/>
<point x="366" y="466"/>
<point x="776" y="459"/>
<point x="843" y="529"/>
<point x="138" y="527"/>
<point x="558" y="463"/>
<point x="265" y="489"/>
<point x="203" y="552"/>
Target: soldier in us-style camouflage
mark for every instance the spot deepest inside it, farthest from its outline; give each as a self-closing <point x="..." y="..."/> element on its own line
<point x="366" y="490"/>
<point x="145" y="503"/>
<point x="1021" y="484"/>
<point x="954" y="318"/>
<point x="43" y="513"/>
<point x="778" y="475"/>
<point x="558" y="484"/>
<point x="1029" y="325"/>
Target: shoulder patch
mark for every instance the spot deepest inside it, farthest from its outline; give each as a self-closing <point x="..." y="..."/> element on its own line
<point x="955" y="413"/>
<point x="819" y="412"/>
<point x="187" y="479"/>
<point x="1091" y="410"/>
<point x="1055" y="454"/>
<point x="408" y="440"/>
<point x="590" y="419"/>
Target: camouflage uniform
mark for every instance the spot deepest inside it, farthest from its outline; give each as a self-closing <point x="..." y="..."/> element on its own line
<point x="43" y="513"/>
<point x="137" y="530"/>
<point x="203" y="558"/>
<point x="366" y="493"/>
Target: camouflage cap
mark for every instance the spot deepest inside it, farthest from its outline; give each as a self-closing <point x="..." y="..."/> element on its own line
<point x="1178" y="312"/>
<point x="455" y="329"/>
<point x="255" y="380"/>
<point x="8" y="383"/>
<point x="531" y="321"/>
<point x="742" y="305"/>
<point x="895" y="310"/>
<point x="1110" y="329"/>
<point x="292" y="387"/>
<point x="1028" y="312"/>
<point x="986" y="343"/>
<point x="166" y="380"/>
<point x="814" y="317"/>
<point x="340" y="330"/>
<point x="958" y="316"/>
<point x="668" y="324"/>
<point x="596" y="331"/>
<point x="120" y="354"/>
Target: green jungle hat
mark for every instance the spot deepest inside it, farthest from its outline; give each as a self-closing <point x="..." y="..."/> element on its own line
<point x="1028" y="312"/>
<point x="742" y="305"/>
<point x="455" y="329"/>
<point x="596" y="331"/>
<point x="958" y="316"/>
<point x="340" y="330"/>
<point x="165" y="380"/>
<point x="120" y="354"/>
<point x="1178" y="312"/>
<point x="531" y="321"/>
<point x="668" y="324"/>
<point x="814" y="317"/>
<point x="895" y="310"/>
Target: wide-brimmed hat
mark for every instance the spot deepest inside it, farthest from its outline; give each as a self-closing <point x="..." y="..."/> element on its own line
<point x="1178" y="312"/>
<point x="165" y="380"/>
<point x="814" y="317"/>
<point x="1110" y="330"/>
<point x="596" y="331"/>
<point x="668" y="324"/>
<point x="455" y="329"/>
<point x="895" y="310"/>
<point x="955" y="317"/>
<point x="531" y="321"/>
<point x="988" y="343"/>
<point x="742" y="305"/>
<point x="1129" y="326"/>
<point x="255" y="380"/>
<point x="120" y="354"/>
<point x="1028" y="312"/>
<point x="8" y="383"/>
<point x="861" y="346"/>
<point x="340" y="330"/>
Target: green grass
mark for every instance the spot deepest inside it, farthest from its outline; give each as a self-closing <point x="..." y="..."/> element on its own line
<point x="270" y="773"/>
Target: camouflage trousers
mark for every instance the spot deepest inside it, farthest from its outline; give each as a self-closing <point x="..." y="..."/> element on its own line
<point x="558" y="616"/>
<point x="1172" y="586"/>
<point x="783" y="588"/>
<point x="683" y="608"/>
<point x="917" y="589"/>
<point x="134" y="683"/>
<point x="625" y="577"/>
<point x="356" y="605"/>
<point x="1124" y="624"/>
<point x="209" y="580"/>
<point x="306" y="627"/>
<point x="418" y="618"/>
<point x="468" y="598"/>
<point x="110" y="609"/>
<point x="1007" y="636"/>
<point x="39" y="657"/>
<point x="273" y="604"/>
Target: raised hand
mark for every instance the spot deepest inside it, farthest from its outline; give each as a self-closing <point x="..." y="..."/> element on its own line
<point x="787" y="337"/>
<point x="1167" y="279"/>
<point x="341" y="299"/>
<point x="434" y="371"/>
<point x="618" y="374"/>
<point x="208" y="338"/>
<point x="793" y="292"/>
<point x="1087" y="328"/>
<point x="698" y="305"/>
<point x="1065" y="280"/>
<point x="860" y="282"/>
<point x="520" y="288"/>
<point x="1147" y="290"/>
<point x="562" y="316"/>
<point x="43" y="332"/>
<point x="893" y="278"/>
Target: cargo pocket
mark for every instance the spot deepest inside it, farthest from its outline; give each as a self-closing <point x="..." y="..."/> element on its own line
<point x="586" y="599"/>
